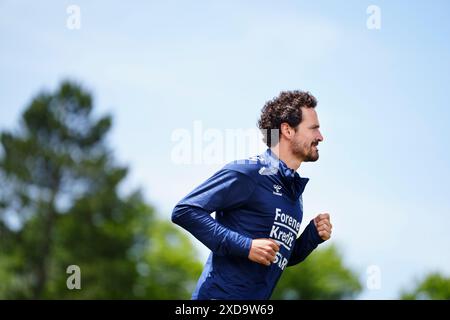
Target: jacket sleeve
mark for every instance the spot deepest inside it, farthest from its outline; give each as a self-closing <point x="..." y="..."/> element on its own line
<point x="305" y="244"/>
<point x="225" y="190"/>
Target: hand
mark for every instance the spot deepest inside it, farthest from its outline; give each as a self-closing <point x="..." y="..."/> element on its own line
<point x="323" y="225"/>
<point x="263" y="251"/>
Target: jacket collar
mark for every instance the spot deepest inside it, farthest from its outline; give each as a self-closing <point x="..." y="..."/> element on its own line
<point x="289" y="176"/>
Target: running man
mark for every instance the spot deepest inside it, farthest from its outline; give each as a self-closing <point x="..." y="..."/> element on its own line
<point x="258" y="206"/>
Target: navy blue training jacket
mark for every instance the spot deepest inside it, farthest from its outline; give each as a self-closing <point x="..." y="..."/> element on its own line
<point x="255" y="198"/>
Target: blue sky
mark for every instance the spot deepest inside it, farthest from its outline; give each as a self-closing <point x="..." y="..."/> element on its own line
<point x="383" y="103"/>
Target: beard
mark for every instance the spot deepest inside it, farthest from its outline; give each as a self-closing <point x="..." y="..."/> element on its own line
<point x="307" y="152"/>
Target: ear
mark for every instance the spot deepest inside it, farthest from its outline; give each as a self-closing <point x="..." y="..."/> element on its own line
<point x="286" y="130"/>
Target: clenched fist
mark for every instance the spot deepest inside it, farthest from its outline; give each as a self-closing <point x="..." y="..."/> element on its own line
<point x="263" y="251"/>
<point x="323" y="225"/>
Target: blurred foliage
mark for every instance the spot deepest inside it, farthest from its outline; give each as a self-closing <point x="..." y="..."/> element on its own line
<point x="434" y="286"/>
<point x="60" y="206"/>
<point x="320" y="276"/>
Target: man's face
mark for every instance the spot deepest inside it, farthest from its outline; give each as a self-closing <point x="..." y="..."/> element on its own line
<point x="307" y="136"/>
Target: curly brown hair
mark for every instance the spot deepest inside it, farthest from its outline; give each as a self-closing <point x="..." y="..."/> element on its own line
<point x="284" y="108"/>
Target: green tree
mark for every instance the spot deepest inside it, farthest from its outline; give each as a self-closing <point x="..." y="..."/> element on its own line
<point x="168" y="268"/>
<point x="433" y="286"/>
<point x="322" y="275"/>
<point x="60" y="206"/>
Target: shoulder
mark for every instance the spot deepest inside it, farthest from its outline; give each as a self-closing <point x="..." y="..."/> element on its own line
<point x="255" y="168"/>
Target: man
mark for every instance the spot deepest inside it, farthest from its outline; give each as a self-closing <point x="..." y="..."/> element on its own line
<point x="258" y="205"/>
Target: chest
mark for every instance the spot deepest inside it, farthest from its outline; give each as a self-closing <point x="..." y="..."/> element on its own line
<point x="274" y="212"/>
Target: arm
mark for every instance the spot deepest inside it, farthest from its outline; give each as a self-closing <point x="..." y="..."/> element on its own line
<point x="226" y="189"/>
<point x="316" y="232"/>
<point x="305" y="244"/>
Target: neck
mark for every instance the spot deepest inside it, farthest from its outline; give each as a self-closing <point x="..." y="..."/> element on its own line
<point x="287" y="156"/>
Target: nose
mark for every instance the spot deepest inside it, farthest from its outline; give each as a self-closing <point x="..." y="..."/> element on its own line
<point x="320" y="138"/>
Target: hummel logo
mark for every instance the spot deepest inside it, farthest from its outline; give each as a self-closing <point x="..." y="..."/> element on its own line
<point x="277" y="190"/>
